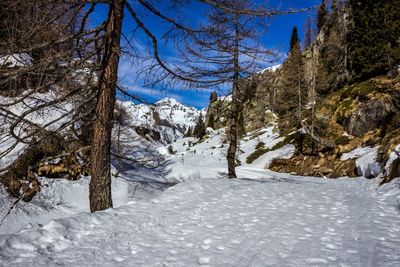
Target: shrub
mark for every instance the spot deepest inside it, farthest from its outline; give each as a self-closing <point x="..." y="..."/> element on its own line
<point x="342" y="140"/>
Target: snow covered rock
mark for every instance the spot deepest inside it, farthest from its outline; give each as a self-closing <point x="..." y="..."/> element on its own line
<point x="392" y="167"/>
<point x="366" y="163"/>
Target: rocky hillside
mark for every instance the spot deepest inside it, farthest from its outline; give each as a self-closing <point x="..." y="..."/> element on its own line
<point x="345" y="118"/>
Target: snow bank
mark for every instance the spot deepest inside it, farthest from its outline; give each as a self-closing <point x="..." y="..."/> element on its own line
<point x="265" y="160"/>
<point x="58" y="198"/>
<point x="366" y="163"/>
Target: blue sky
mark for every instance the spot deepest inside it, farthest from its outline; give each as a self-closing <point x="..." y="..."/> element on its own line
<point x="277" y="37"/>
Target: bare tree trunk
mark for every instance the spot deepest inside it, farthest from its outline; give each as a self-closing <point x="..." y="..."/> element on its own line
<point x="300" y="100"/>
<point x="231" y="155"/>
<point x="313" y="98"/>
<point x="100" y="183"/>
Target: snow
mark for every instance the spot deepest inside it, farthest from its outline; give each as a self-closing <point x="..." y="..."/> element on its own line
<point x="281" y="221"/>
<point x="16" y="60"/>
<point x="366" y="163"/>
<point x="174" y="117"/>
<point x="50" y="118"/>
<point x="272" y="68"/>
<point x="58" y="198"/>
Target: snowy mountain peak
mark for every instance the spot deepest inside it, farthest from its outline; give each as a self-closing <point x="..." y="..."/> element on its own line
<point x="271" y="68"/>
<point x="167" y="116"/>
<point x="167" y="101"/>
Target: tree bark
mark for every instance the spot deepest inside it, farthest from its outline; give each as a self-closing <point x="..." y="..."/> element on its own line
<point x="231" y="155"/>
<point x="100" y="183"/>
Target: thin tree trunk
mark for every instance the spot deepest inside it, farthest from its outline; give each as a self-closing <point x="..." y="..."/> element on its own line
<point x="231" y="155"/>
<point x="300" y="98"/>
<point x="100" y="183"/>
<point x="313" y="98"/>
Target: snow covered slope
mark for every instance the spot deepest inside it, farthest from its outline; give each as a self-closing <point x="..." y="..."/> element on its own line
<point x="167" y="116"/>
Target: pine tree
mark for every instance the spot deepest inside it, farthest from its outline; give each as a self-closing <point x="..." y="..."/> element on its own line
<point x="321" y="16"/>
<point x="334" y="6"/>
<point x="210" y="122"/>
<point x="294" y="39"/>
<point x="308" y="33"/>
<point x="199" y="130"/>
<point x="213" y="97"/>
<point x="292" y="94"/>
<point x="374" y="45"/>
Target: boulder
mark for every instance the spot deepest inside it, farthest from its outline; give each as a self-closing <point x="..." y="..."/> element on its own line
<point x="369" y="116"/>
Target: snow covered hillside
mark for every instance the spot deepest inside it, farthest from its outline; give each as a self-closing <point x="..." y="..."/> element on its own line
<point x="167" y="116"/>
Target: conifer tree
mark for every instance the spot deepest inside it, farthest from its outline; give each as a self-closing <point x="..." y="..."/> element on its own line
<point x="293" y="92"/>
<point x="213" y="97"/>
<point x="199" y="130"/>
<point x="308" y="33"/>
<point x="294" y="39"/>
<point x="374" y="47"/>
<point x="210" y="122"/>
<point x="334" y="6"/>
<point x="321" y="16"/>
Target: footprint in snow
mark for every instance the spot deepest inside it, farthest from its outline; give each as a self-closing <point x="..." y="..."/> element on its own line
<point x="204" y="260"/>
<point x="206" y="244"/>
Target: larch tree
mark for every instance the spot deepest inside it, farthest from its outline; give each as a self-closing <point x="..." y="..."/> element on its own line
<point x="44" y="46"/>
<point x="227" y="50"/>
<point x="292" y="96"/>
<point x="100" y="182"/>
<point x="222" y="43"/>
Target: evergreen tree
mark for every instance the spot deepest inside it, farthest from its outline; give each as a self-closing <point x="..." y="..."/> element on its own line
<point x="374" y="47"/>
<point x="321" y="16"/>
<point x="199" y="130"/>
<point x="210" y="122"/>
<point x="334" y="6"/>
<point x="308" y="33"/>
<point x="213" y="97"/>
<point x="333" y="73"/>
<point x="294" y="39"/>
<point x="292" y="94"/>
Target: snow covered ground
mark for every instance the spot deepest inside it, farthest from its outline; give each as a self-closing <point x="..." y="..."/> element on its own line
<point x="277" y="221"/>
